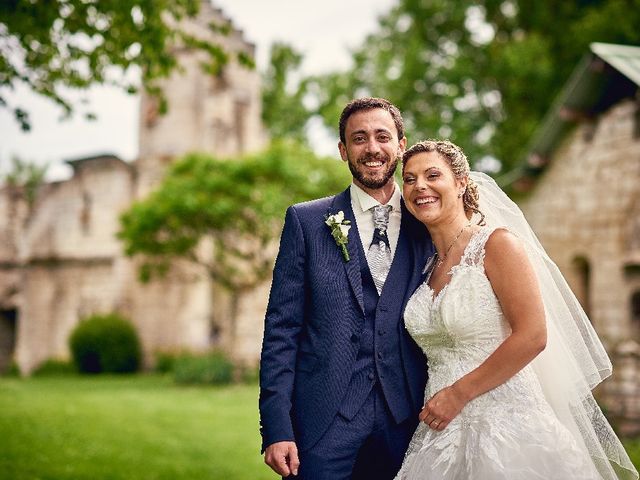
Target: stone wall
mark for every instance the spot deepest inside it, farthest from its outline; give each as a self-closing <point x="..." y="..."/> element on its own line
<point x="581" y="210"/>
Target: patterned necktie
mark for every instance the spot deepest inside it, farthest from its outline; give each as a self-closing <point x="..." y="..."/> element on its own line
<point x="379" y="250"/>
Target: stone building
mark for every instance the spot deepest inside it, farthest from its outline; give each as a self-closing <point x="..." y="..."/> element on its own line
<point x="580" y="190"/>
<point x="60" y="259"/>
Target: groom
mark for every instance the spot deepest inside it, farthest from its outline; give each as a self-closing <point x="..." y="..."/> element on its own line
<point x="341" y="382"/>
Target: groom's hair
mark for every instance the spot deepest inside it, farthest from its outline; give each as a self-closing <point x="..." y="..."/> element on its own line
<point x="370" y="103"/>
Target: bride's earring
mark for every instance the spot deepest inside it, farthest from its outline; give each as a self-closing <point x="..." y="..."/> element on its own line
<point x="460" y="193"/>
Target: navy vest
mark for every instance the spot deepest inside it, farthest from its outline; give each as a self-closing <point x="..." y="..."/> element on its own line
<point x="378" y="363"/>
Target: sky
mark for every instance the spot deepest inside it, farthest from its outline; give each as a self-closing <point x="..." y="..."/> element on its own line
<point x="323" y="31"/>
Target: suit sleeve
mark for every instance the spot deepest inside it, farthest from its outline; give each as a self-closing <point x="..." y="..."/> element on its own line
<point x="283" y="323"/>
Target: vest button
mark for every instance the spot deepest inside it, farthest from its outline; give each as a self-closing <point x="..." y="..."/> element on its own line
<point x="379" y="355"/>
<point x="372" y="376"/>
<point x="354" y="337"/>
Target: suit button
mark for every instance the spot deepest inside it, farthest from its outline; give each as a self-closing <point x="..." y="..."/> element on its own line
<point x="371" y="376"/>
<point x="379" y="355"/>
<point x="380" y="332"/>
<point x="354" y="337"/>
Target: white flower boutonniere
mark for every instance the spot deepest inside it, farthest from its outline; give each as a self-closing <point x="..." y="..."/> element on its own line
<point x="340" y="231"/>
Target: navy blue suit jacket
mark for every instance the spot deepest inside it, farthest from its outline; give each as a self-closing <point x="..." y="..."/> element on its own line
<point x="314" y="317"/>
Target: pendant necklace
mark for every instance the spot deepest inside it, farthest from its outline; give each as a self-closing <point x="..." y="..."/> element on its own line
<point x="440" y="261"/>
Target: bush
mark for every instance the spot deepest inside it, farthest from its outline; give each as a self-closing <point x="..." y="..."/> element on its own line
<point x="12" y="370"/>
<point x="54" y="367"/>
<point x="250" y="375"/>
<point x="213" y="369"/>
<point x="164" y="362"/>
<point x="105" y="343"/>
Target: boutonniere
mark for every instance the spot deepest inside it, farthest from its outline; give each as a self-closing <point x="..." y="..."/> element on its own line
<point x="339" y="231"/>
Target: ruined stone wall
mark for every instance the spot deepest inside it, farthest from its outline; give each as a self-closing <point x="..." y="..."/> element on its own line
<point x="72" y="266"/>
<point x="219" y="114"/>
<point x="78" y="218"/>
<point x="69" y="257"/>
<point x="581" y="208"/>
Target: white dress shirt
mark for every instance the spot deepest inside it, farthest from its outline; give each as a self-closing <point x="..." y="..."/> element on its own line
<point x="362" y="204"/>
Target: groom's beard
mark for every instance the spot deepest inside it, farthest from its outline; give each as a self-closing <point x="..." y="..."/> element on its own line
<point x="378" y="180"/>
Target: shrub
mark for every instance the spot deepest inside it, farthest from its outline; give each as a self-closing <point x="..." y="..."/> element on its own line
<point x="12" y="370"/>
<point x="54" y="367"/>
<point x="250" y="375"/>
<point x="105" y="343"/>
<point x="164" y="362"/>
<point x="213" y="368"/>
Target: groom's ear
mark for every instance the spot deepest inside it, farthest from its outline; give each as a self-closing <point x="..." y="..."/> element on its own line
<point x="343" y="151"/>
<point x="402" y="143"/>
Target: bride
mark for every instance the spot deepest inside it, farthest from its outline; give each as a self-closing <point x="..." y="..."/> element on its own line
<point x="512" y="357"/>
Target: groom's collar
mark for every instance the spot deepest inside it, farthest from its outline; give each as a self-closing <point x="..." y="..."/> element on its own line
<point x="363" y="201"/>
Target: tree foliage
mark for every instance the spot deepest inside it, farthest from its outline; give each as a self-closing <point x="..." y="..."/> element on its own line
<point x="283" y="110"/>
<point x="25" y="177"/>
<point x="225" y="214"/>
<point x="481" y="72"/>
<point x="50" y="45"/>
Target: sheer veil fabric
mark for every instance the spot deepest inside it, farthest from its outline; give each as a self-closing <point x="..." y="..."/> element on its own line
<point x="574" y="361"/>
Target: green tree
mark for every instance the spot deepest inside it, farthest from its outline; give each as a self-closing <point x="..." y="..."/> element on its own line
<point x="481" y="72"/>
<point x="226" y="214"/>
<point x="49" y="45"/>
<point x="283" y="110"/>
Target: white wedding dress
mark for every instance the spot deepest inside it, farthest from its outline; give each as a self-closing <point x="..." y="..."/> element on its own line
<point x="510" y="432"/>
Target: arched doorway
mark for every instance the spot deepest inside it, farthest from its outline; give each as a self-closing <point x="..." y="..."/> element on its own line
<point x="8" y="320"/>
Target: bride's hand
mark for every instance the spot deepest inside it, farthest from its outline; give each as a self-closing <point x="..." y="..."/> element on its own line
<point x="443" y="407"/>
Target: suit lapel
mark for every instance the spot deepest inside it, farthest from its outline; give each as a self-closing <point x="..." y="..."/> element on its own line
<point x="342" y="202"/>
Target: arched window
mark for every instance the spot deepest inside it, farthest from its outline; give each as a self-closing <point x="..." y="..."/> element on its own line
<point x="635" y="308"/>
<point x="582" y="284"/>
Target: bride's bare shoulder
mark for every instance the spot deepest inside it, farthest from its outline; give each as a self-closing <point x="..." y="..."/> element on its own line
<point x="504" y="250"/>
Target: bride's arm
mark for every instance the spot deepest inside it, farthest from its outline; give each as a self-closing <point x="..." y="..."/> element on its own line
<point x="514" y="283"/>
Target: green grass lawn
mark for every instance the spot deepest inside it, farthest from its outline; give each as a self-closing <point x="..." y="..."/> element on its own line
<point x="133" y="428"/>
<point x="129" y="428"/>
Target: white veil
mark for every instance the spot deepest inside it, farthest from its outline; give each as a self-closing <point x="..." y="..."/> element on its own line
<point x="574" y="361"/>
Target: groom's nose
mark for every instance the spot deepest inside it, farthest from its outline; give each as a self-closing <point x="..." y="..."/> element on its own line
<point x="372" y="145"/>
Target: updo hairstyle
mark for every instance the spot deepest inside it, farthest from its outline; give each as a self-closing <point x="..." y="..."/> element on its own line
<point x="459" y="165"/>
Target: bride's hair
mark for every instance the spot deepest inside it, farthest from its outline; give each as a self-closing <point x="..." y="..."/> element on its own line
<point x="459" y="165"/>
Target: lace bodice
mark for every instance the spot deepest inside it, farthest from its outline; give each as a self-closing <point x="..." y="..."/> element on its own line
<point x="457" y="329"/>
<point x="463" y="323"/>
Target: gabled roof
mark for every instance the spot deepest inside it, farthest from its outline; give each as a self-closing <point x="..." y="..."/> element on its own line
<point x="624" y="58"/>
<point x="603" y="77"/>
